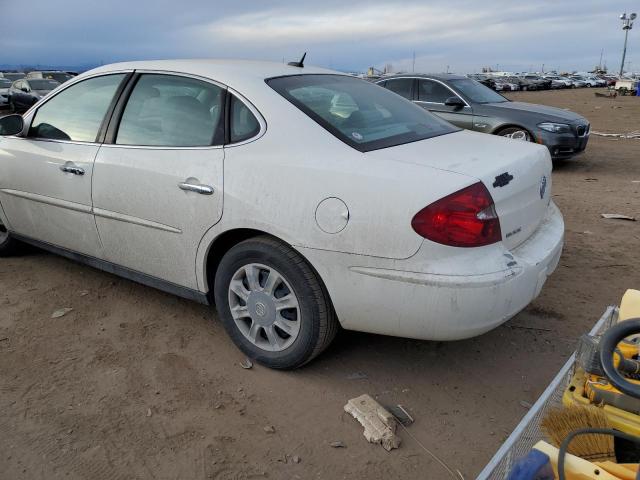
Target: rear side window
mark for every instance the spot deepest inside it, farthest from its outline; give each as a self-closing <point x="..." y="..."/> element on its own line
<point x="359" y="113"/>
<point x="434" y="92"/>
<point x="172" y="111"/>
<point x="401" y="86"/>
<point x="243" y="123"/>
<point x="77" y="112"/>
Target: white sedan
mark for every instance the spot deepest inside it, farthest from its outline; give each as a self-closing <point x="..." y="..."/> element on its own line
<point x="296" y="199"/>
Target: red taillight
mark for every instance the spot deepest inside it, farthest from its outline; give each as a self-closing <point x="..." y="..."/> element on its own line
<point x="466" y="218"/>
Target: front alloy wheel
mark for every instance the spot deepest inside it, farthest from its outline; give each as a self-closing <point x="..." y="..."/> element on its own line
<point x="516" y="134"/>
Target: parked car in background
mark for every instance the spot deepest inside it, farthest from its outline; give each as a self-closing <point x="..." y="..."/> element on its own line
<point x="578" y="82"/>
<point x="485" y="80"/>
<point x="56" y="75"/>
<point x="375" y="215"/>
<point x="12" y="75"/>
<point x="539" y="82"/>
<point x="5" y="85"/>
<point x="559" y="82"/>
<point x="590" y="80"/>
<point x="523" y="84"/>
<point x="24" y="93"/>
<point x="502" y="84"/>
<point x="468" y="104"/>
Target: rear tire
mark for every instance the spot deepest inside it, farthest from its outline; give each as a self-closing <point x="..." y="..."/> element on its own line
<point x="272" y="304"/>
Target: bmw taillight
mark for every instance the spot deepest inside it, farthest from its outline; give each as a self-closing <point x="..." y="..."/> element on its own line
<point x="466" y="218"/>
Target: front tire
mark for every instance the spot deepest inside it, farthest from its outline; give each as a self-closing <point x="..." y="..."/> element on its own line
<point x="8" y="245"/>
<point x="272" y="304"/>
<point x="516" y="133"/>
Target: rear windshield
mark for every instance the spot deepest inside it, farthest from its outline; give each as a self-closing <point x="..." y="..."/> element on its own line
<point x="44" y="84"/>
<point x="361" y="114"/>
<point x="476" y="92"/>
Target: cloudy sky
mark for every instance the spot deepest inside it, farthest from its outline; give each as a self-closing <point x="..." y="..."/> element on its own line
<point x="343" y="34"/>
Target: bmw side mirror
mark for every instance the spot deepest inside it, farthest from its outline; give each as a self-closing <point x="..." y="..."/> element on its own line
<point x="11" y="125"/>
<point x="454" y="102"/>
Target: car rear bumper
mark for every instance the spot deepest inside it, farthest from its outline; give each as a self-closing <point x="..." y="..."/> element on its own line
<point x="403" y="298"/>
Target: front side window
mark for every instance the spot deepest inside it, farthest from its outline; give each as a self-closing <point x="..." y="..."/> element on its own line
<point x="359" y="113"/>
<point x="434" y="92"/>
<point x="476" y="92"/>
<point x="243" y="124"/>
<point x="77" y="112"/>
<point x="172" y="111"/>
<point x="401" y="86"/>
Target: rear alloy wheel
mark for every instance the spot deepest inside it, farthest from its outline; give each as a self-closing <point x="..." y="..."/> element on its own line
<point x="272" y="304"/>
<point x="264" y="307"/>
<point x="516" y="133"/>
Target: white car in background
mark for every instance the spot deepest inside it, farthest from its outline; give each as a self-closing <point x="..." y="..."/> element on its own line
<point x="296" y="198"/>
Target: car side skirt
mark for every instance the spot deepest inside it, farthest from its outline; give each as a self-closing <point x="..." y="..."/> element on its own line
<point x="124" y="272"/>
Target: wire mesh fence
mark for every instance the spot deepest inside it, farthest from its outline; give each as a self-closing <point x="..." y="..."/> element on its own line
<point x="528" y="431"/>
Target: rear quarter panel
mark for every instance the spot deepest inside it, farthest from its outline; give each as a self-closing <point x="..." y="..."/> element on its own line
<point x="276" y="183"/>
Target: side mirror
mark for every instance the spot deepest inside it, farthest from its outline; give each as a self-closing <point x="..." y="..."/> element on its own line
<point x="454" y="102"/>
<point x="11" y="125"/>
<point x="25" y="89"/>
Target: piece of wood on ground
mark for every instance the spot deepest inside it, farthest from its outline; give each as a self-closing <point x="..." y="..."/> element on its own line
<point x="379" y="425"/>
<point x="617" y="216"/>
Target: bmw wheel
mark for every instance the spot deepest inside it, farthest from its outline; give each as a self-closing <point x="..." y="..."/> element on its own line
<point x="272" y="304"/>
<point x="515" y="133"/>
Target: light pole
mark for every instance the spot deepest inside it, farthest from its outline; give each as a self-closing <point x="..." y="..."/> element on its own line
<point x="627" y="24"/>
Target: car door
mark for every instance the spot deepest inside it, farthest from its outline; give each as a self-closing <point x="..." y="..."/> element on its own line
<point x="432" y="95"/>
<point x="158" y="179"/>
<point x="45" y="175"/>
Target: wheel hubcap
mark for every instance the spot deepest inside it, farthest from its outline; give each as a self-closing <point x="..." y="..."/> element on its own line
<point x="264" y="307"/>
<point x="4" y="234"/>
<point x="518" y="135"/>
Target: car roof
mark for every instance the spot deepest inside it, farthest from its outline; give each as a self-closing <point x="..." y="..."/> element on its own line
<point x="234" y="73"/>
<point x="436" y="76"/>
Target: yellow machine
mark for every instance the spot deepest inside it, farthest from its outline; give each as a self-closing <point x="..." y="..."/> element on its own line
<point x="589" y="385"/>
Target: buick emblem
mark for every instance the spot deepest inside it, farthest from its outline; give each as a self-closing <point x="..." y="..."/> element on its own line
<point x="543" y="186"/>
<point x="261" y="310"/>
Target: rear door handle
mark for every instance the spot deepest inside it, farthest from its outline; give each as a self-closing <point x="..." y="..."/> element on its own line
<point x="72" y="169"/>
<point x="196" y="187"/>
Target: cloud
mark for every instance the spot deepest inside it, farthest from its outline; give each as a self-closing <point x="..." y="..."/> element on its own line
<point x="464" y="34"/>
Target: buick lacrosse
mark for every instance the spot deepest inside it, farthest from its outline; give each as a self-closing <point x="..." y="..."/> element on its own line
<point x="295" y="199"/>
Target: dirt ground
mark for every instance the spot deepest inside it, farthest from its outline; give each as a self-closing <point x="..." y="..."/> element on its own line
<point x="135" y="383"/>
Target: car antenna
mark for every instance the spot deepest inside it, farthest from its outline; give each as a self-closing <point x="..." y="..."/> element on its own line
<point x="299" y="64"/>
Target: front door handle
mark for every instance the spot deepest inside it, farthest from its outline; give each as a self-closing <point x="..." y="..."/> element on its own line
<point x="72" y="169"/>
<point x="196" y="187"/>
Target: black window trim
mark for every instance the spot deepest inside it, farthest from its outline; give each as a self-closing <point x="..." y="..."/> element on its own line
<point x="31" y="113"/>
<point x="371" y="146"/>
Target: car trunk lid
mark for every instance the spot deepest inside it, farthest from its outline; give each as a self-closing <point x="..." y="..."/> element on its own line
<point x="516" y="173"/>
